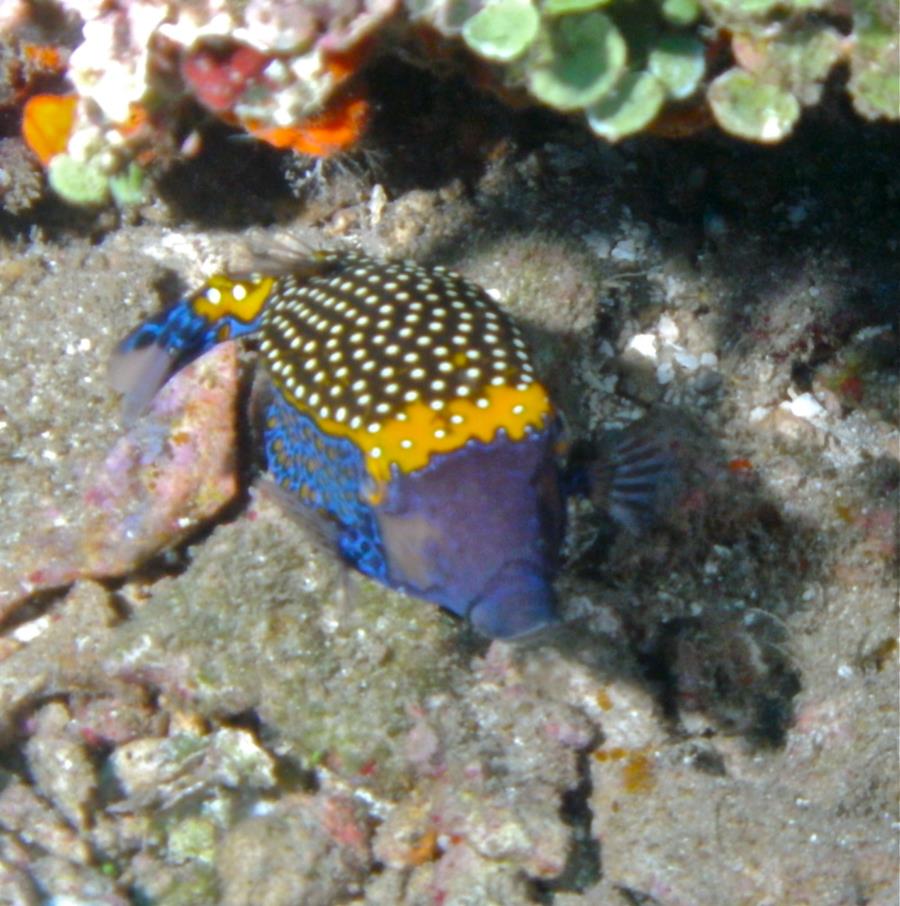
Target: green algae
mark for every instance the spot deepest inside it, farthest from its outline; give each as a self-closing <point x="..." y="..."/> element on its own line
<point x="129" y="187"/>
<point x="571" y="57"/>
<point x="680" y="12"/>
<point x="578" y="62"/>
<point x="634" y="102"/>
<point x="678" y="62"/>
<point x="751" y="108"/>
<point x="192" y="839"/>
<point x="875" y="60"/>
<point x="563" y="7"/>
<point x="502" y="30"/>
<point x="78" y="182"/>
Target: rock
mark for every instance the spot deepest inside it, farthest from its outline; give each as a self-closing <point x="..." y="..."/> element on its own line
<point x="60" y="765"/>
<point x="174" y="469"/>
<point x="305" y="849"/>
<point x="24" y="813"/>
<point x="62" y="657"/>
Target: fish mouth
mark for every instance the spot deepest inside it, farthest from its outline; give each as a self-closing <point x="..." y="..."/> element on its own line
<point x="516" y="603"/>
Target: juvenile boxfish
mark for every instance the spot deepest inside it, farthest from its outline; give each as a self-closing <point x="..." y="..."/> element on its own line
<point x="403" y="416"/>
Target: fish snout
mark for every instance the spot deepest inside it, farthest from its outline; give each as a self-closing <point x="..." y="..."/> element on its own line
<point x="517" y="601"/>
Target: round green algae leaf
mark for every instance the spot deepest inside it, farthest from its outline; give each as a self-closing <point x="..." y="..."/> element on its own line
<point x="681" y="12"/>
<point x="679" y="62"/>
<point x="629" y="107"/>
<point x="502" y="30"/>
<point x="80" y="182"/>
<point x="876" y="91"/>
<point x="875" y="62"/>
<point x="127" y="187"/>
<point x="584" y="57"/>
<point x="744" y="7"/>
<point x="752" y="109"/>
<point x="564" y="7"/>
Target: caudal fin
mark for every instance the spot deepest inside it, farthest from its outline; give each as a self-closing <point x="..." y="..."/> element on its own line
<point x="637" y="477"/>
<point x="224" y="308"/>
<point x="152" y="353"/>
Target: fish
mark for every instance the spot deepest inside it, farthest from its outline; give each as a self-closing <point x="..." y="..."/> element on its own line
<point x="402" y="416"/>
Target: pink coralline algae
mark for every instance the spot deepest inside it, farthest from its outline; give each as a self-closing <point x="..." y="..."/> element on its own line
<point x="174" y="469"/>
<point x="219" y="80"/>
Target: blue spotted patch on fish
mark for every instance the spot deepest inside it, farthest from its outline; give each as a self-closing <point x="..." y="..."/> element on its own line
<point x="404" y="410"/>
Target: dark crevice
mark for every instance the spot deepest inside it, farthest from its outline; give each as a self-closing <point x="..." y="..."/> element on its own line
<point x="36" y="605"/>
<point x="748" y="688"/>
<point x="636" y="897"/>
<point x="582" y="868"/>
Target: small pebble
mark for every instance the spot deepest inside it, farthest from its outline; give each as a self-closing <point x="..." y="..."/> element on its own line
<point x="667" y="329"/>
<point x="665" y="373"/>
<point x="624" y="251"/>
<point x="797" y="214"/>
<point x="643" y="344"/>
<point x="687" y="361"/>
<point x="804" y="406"/>
<point x="706" y="381"/>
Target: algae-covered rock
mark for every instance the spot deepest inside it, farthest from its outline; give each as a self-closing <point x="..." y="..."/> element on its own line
<point x="571" y="56"/>
<point x="269" y="69"/>
<point x="24" y="813"/>
<point x="192" y="839"/>
<point x="64" y="654"/>
<point x="331" y="673"/>
<point x="21" y="180"/>
<point x="196" y="883"/>
<point x="62" y="882"/>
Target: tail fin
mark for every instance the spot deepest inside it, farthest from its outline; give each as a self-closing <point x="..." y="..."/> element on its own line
<point x="152" y="353"/>
<point x="224" y="308"/>
<point x="637" y="478"/>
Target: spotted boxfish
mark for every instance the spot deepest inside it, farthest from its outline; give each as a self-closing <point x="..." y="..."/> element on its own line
<point x="403" y="414"/>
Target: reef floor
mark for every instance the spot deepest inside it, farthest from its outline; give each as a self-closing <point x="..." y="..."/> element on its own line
<point x="197" y="704"/>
